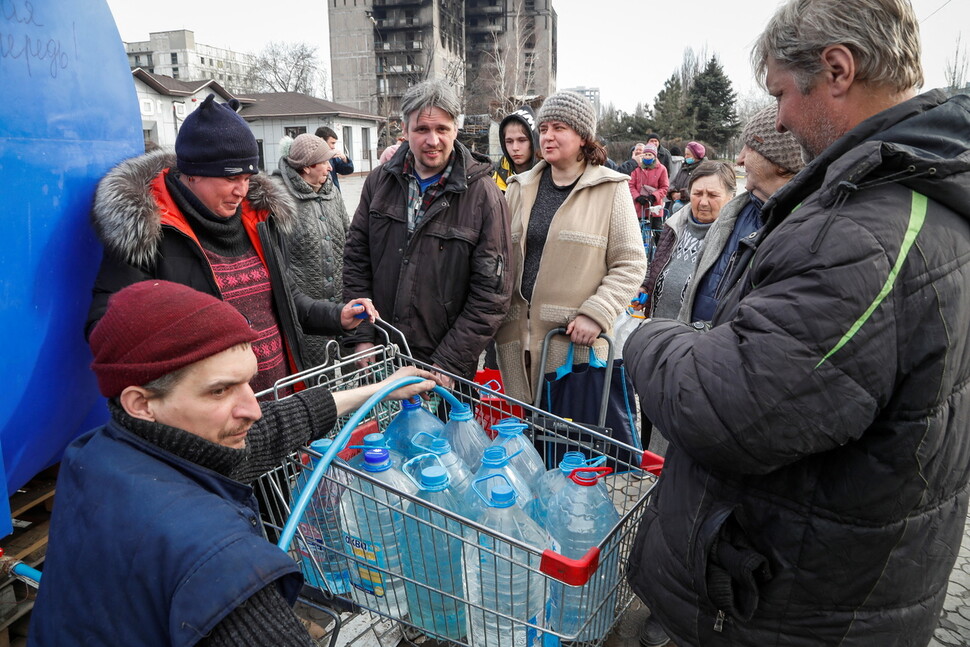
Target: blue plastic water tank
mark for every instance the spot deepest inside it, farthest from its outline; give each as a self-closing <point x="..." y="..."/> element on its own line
<point x="69" y="113"/>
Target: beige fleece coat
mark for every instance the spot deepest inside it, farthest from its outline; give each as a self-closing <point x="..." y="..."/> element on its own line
<point x="592" y="264"/>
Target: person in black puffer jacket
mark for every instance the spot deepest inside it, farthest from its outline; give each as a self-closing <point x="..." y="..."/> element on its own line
<point x="815" y="489"/>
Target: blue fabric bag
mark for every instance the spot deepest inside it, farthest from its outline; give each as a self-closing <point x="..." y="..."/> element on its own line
<point x="575" y="391"/>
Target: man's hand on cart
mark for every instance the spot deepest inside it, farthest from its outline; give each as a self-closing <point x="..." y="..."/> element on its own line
<point x="349" y="399"/>
<point x="443" y="379"/>
<point x="357" y="311"/>
<point x="411" y="390"/>
<point x="583" y="331"/>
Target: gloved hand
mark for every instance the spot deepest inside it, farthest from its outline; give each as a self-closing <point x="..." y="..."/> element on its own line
<point x="652" y="198"/>
<point x="641" y="200"/>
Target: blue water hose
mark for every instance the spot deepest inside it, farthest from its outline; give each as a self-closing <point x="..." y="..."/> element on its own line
<point x="341" y="439"/>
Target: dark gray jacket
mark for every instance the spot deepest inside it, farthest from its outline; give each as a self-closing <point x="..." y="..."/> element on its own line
<point x="815" y="490"/>
<point x="315" y="246"/>
<point x="447" y="287"/>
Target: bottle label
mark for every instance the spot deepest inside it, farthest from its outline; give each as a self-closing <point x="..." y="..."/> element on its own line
<point x="367" y="554"/>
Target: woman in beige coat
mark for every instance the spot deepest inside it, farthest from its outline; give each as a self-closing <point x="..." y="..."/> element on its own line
<point x="577" y="250"/>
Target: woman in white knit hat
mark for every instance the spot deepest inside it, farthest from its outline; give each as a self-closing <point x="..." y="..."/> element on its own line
<point x="315" y="246"/>
<point x="577" y="249"/>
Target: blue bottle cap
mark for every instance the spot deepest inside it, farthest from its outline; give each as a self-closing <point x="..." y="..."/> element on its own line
<point x="375" y="440"/>
<point x="502" y="496"/>
<point x="460" y="412"/>
<point x="440" y="446"/>
<point x="412" y="403"/>
<point x="321" y="445"/>
<point x="377" y="459"/>
<point x="495" y="456"/>
<point x="434" y="477"/>
<point x="570" y="461"/>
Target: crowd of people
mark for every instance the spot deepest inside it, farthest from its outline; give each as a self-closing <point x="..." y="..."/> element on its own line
<point x="805" y="352"/>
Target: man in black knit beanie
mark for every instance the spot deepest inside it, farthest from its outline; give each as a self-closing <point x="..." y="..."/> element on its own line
<point x="155" y="539"/>
<point x="207" y="219"/>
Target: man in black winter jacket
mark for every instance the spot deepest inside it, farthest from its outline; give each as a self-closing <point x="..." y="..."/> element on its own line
<point x="815" y="489"/>
<point x="430" y="241"/>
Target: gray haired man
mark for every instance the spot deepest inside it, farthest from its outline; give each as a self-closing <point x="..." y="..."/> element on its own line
<point x="815" y="490"/>
<point x="430" y="240"/>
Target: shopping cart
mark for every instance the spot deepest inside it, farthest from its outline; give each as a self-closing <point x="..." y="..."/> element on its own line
<point x="601" y="592"/>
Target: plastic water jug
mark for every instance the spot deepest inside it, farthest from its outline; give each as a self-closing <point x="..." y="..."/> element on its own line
<point x="555" y="479"/>
<point x="321" y="538"/>
<point x="432" y="557"/>
<point x="496" y="461"/>
<point x="581" y="516"/>
<point x="412" y="418"/>
<point x="466" y="436"/>
<point x="439" y="448"/>
<point x="374" y="441"/>
<point x="497" y="577"/>
<point x="522" y="453"/>
<point x="372" y="520"/>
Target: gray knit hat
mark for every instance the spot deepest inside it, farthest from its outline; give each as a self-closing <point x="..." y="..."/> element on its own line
<point x="780" y="149"/>
<point x="572" y="109"/>
<point x="307" y="150"/>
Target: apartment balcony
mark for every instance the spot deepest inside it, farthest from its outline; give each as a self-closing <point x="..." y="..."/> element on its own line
<point x="402" y="69"/>
<point x="483" y="29"/>
<point x="391" y="24"/>
<point x="398" y="3"/>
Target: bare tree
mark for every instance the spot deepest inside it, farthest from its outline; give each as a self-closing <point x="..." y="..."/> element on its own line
<point x="956" y="68"/>
<point x="691" y="65"/>
<point x="288" y="67"/>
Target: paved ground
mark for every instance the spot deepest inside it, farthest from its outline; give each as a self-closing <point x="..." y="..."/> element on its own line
<point x="953" y="631"/>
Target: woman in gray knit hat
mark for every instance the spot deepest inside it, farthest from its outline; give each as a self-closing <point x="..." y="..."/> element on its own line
<point x="315" y="246"/>
<point x="576" y="246"/>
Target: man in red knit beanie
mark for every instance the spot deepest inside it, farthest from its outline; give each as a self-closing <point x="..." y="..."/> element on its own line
<point x="156" y="536"/>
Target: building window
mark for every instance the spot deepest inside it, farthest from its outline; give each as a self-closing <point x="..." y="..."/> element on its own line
<point x="293" y="131"/>
<point x="175" y="73"/>
<point x="137" y="60"/>
<point x="175" y="58"/>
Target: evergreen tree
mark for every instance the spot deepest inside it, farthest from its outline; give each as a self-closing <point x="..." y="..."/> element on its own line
<point x="711" y="105"/>
<point x="670" y="116"/>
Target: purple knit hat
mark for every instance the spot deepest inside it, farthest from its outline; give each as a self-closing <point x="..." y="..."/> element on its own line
<point x="697" y="149"/>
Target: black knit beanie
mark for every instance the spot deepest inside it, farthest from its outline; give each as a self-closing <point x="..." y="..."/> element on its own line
<point x="216" y="142"/>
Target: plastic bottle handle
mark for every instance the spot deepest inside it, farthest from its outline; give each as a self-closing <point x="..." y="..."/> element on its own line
<point x="407" y="464"/>
<point x="600" y="471"/>
<point x="485" y="478"/>
<point x="414" y="440"/>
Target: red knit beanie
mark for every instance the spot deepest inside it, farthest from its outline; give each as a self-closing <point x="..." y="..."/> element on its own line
<point x="153" y="328"/>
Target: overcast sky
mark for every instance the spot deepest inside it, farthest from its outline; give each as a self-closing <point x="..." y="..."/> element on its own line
<point x="627" y="48"/>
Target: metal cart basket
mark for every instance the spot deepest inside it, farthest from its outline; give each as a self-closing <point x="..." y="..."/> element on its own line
<point x="306" y="518"/>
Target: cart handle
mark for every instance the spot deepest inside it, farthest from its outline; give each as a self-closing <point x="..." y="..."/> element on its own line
<point x="341" y="439"/>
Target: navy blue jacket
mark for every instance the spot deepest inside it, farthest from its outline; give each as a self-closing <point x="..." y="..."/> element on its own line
<point x="148" y="549"/>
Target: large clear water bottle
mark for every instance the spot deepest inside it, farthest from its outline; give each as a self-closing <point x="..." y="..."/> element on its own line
<point x="581" y="516"/>
<point x="374" y="441"/>
<point x="372" y="520"/>
<point x="524" y="456"/>
<point x="498" y="578"/>
<point x="432" y="558"/>
<point x="496" y="461"/>
<point x="466" y="436"/>
<point x="551" y="482"/>
<point x="412" y="419"/>
<point x="439" y="452"/>
<point x="321" y="539"/>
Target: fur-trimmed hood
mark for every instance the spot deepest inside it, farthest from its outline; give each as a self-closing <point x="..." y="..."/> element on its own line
<point x="127" y="219"/>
